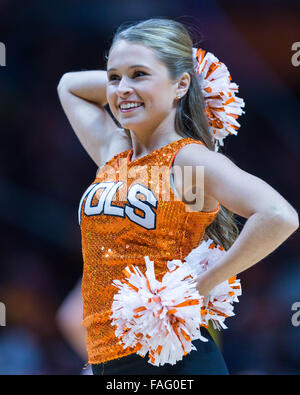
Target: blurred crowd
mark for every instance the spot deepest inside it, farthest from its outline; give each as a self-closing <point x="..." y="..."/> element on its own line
<point x="44" y="171"/>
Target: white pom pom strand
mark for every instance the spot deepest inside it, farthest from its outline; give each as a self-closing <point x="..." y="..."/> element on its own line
<point x="164" y="317"/>
<point x="218" y="305"/>
<point x="161" y="317"/>
<point x="222" y="106"/>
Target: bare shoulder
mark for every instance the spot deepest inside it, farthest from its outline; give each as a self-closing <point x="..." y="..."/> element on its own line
<point x="234" y="188"/>
<point x="194" y="155"/>
<point x="197" y="154"/>
<point x="215" y="164"/>
<point x="217" y="169"/>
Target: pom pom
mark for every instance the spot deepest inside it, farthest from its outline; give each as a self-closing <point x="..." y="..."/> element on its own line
<point x="218" y="305"/>
<point x="221" y="105"/>
<point x="161" y="318"/>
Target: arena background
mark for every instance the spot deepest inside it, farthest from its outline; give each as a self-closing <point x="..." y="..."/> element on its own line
<point x="44" y="170"/>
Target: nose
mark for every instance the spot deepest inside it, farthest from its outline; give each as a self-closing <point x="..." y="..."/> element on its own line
<point x="123" y="88"/>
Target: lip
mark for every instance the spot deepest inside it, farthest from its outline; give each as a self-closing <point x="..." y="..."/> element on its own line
<point x="129" y="101"/>
<point x="130" y="109"/>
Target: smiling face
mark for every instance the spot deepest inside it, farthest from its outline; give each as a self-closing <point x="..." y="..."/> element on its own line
<point x="135" y="75"/>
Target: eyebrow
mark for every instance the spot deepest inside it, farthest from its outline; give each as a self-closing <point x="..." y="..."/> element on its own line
<point x="131" y="67"/>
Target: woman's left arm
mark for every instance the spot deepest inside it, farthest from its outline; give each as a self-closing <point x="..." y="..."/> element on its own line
<point x="270" y="218"/>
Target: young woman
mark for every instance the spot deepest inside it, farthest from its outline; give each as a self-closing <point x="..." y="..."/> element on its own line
<point x="153" y="92"/>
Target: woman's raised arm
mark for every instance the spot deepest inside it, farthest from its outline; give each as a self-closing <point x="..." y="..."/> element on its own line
<point x="83" y="96"/>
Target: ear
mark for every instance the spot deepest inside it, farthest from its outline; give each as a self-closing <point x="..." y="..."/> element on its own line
<point x="183" y="85"/>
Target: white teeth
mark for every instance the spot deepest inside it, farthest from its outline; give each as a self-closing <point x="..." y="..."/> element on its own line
<point x="129" y="105"/>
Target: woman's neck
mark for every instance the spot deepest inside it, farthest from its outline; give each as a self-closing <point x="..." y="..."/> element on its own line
<point x="143" y="145"/>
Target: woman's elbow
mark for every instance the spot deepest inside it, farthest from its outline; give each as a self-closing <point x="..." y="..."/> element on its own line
<point x="289" y="217"/>
<point x="295" y="221"/>
<point x="63" y="81"/>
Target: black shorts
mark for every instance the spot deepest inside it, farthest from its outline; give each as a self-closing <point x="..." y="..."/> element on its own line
<point x="206" y="360"/>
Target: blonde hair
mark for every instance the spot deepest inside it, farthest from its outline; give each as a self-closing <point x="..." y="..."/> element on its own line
<point x="172" y="44"/>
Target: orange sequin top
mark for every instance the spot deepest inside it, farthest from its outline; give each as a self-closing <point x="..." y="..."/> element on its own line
<point x="128" y="212"/>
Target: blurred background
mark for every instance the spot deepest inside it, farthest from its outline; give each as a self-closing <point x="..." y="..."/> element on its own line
<point x="44" y="170"/>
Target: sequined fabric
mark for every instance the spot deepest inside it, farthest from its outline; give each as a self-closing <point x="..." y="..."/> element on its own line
<point x="128" y="212"/>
